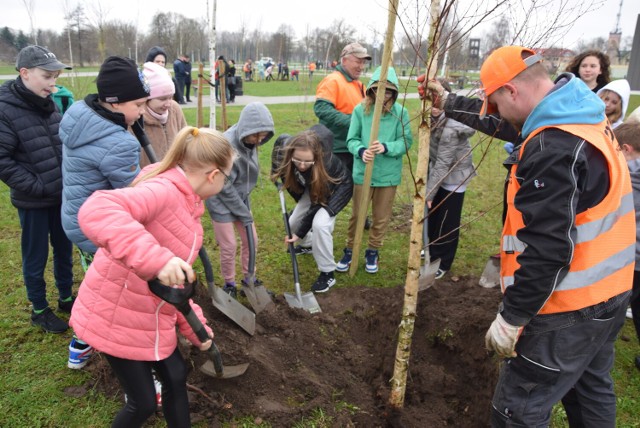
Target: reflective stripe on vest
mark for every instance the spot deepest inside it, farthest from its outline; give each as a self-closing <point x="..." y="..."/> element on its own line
<point x="603" y="255"/>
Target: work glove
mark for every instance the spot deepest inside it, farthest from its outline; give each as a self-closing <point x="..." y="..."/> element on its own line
<point x="432" y="90"/>
<point x="502" y="337"/>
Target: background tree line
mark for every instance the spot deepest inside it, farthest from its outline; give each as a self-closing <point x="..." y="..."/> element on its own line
<point x="89" y="37"/>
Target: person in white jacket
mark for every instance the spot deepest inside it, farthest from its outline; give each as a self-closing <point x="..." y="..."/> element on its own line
<point x="616" y="100"/>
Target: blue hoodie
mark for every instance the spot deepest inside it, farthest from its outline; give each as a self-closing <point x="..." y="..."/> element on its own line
<point x="569" y="102"/>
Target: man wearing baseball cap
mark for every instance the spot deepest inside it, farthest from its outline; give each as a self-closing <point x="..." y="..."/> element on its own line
<point x="567" y="245"/>
<point x="30" y="165"/>
<point x="338" y="94"/>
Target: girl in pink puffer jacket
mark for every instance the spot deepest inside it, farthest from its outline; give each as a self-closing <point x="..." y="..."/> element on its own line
<point x="150" y="230"/>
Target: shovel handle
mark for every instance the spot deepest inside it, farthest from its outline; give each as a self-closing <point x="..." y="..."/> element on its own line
<point x="206" y="263"/>
<point x="179" y="297"/>
<point x="252" y="253"/>
<point x="203" y="336"/>
<point x="287" y="227"/>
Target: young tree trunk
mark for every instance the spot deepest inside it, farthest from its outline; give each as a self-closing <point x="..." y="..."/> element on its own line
<point x="212" y="65"/>
<point x="405" y="329"/>
<point x="375" y="127"/>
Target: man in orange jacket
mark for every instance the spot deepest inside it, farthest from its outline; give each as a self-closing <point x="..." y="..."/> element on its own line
<point x="338" y="94"/>
<point x="567" y="246"/>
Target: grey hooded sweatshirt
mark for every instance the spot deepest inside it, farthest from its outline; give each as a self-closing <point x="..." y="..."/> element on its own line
<point x="232" y="203"/>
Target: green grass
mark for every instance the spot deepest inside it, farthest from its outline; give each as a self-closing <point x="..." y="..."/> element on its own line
<point x="32" y="388"/>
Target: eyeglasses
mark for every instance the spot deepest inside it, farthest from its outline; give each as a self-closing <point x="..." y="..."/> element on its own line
<point x="303" y="163"/>
<point x="227" y="179"/>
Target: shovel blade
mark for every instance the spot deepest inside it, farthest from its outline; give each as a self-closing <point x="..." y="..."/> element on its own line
<point x="428" y="274"/>
<point x="258" y="297"/>
<point x="490" y="277"/>
<point x="233" y="309"/>
<point x="307" y="302"/>
<point x="227" y="373"/>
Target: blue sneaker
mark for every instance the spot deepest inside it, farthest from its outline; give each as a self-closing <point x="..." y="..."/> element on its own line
<point x="79" y="354"/>
<point x="371" y="259"/>
<point x="345" y="261"/>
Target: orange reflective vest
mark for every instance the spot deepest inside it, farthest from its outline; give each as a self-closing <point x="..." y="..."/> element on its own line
<point x="344" y="94"/>
<point x="603" y="256"/>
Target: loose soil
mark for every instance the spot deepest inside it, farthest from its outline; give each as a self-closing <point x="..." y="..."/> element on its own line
<point x="341" y="361"/>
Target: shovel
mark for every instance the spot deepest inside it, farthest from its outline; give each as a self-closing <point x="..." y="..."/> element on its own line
<point x="306" y="301"/>
<point x="491" y="274"/>
<point x="428" y="269"/>
<point x="257" y="295"/>
<point x="179" y="297"/>
<point x="226" y="304"/>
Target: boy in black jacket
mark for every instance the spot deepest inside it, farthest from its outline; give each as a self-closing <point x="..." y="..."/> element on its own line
<point x="30" y="164"/>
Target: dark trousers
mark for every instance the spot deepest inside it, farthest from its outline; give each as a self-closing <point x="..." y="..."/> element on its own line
<point x="39" y="227"/>
<point x="444" y="226"/>
<point x="635" y="302"/>
<point x="566" y="356"/>
<point x="180" y="90"/>
<point x="231" y="90"/>
<point x="137" y="382"/>
<point x="187" y="90"/>
<point x="226" y="95"/>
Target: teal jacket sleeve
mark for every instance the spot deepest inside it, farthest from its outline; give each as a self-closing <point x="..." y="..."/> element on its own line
<point x="354" y="137"/>
<point x="404" y="140"/>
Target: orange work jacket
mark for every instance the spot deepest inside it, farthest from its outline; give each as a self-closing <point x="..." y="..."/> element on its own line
<point x="603" y="256"/>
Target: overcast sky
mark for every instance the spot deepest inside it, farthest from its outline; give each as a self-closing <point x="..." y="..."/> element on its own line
<point x="364" y="15"/>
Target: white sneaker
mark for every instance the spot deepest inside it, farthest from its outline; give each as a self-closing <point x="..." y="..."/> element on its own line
<point x="629" y="314"/>
<point x="158" y="386"/>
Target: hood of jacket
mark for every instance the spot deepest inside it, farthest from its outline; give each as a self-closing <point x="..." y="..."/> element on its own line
<point x="154" y="52"/>
<point x="570" y="101"/>
<point x="63" y="92"/>
<point x="622" y="88"/>
<point x="254" y="118"/>
<point x="392" y="79"/>
<point x="77" y="136"/>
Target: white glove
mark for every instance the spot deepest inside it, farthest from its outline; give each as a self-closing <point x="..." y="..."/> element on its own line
<point x="502" y="337"/>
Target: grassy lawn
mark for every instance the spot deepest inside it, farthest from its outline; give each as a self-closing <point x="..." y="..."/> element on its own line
<point x="32" y="390"/>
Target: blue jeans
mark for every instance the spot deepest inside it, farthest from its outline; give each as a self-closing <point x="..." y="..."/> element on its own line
<point x="38" y="227"/>
<point x="567" y="354"/>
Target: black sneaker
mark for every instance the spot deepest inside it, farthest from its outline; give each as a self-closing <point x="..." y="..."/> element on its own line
<point x="300" y="250"/>
<point x="638" y="362"/>
<point x="440" y="273"/>
<point x="231" y="290"/>
<point x="256" y="282"/>
<point x="48" y="321"/>
<point x="324" y="282"/>
<point x="66" y="306"/>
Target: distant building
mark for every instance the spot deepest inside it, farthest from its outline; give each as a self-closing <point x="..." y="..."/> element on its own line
<point x="556" y="59"/>
<point x="613" y="48"/>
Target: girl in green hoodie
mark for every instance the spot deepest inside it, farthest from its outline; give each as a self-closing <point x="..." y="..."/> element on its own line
<point x="387" y="152"/>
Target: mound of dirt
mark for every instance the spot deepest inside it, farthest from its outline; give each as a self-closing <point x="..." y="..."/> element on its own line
<point x="341" y="360"/>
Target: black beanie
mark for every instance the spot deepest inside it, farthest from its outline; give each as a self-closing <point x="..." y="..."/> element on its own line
<point x="119" y="80"/>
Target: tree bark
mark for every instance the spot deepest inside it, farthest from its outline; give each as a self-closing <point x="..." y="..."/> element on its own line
<point x="405" y="329"/>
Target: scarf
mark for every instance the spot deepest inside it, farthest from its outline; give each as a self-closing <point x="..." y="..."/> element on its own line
<point x="45" y="105"/>
<point x="160" y="117"/>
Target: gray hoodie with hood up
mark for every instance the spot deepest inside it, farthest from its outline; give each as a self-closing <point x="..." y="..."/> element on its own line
<point x="232" y="203"/>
